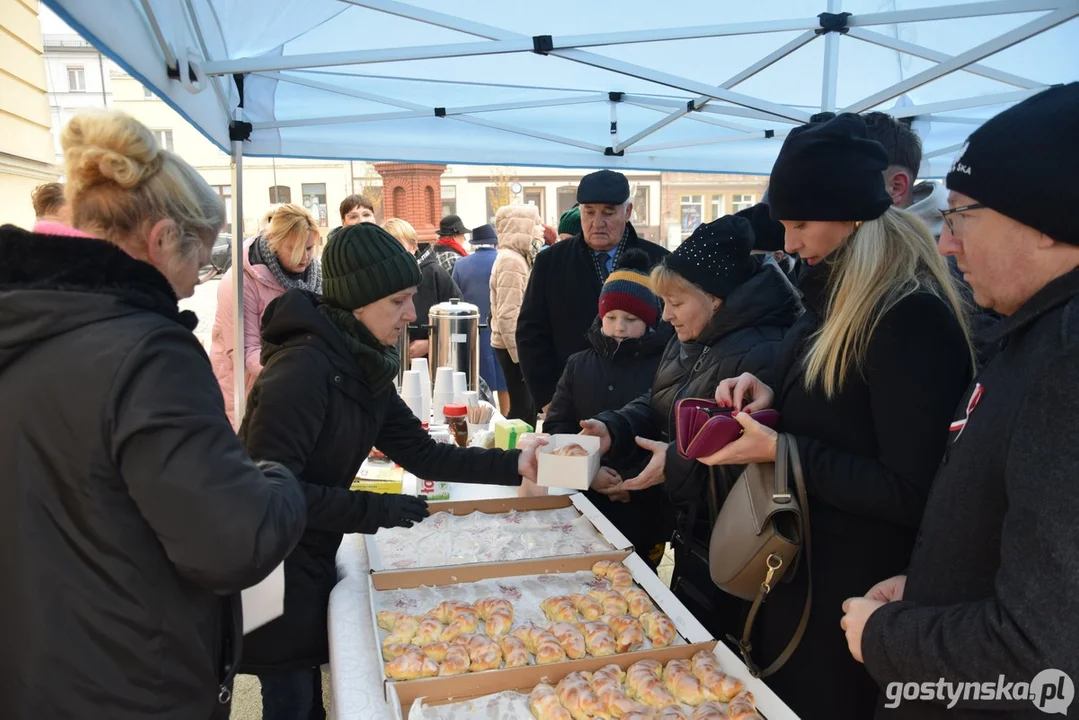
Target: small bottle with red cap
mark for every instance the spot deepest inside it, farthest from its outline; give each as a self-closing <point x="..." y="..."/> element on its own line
<point x="457" y="419"/>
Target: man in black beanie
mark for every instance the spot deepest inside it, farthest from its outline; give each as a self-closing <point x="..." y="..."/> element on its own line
<point x="992" y="590"/>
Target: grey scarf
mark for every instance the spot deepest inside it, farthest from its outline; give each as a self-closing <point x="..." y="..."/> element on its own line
<point x="310" y="279"/>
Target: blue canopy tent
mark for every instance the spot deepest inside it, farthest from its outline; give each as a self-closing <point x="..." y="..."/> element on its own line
<point x="696" y="85"/>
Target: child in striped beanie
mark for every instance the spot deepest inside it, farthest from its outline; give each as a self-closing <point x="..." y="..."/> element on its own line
<point x="627" y="306"/>
<point x="626" y="342"/>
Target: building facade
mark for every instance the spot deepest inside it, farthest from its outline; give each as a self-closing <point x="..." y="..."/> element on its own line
<point x="26" y="149"/>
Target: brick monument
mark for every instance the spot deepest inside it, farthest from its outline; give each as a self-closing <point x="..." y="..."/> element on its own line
<point x="413" y="192"/>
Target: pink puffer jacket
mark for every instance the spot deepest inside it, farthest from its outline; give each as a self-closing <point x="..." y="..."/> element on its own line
<point x="260" y="288"/>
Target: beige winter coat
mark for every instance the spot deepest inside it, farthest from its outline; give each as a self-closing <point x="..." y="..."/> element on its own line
<point x="516" y="229"/>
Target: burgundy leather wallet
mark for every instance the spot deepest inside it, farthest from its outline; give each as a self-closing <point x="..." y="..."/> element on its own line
<point x="704" y="428"/>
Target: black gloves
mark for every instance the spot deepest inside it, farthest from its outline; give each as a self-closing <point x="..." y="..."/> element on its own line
<point x="401" y="511"/>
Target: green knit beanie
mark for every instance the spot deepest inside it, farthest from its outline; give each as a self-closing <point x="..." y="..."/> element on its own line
<point x="364" y="263"/>
<point x="570" y="222"/>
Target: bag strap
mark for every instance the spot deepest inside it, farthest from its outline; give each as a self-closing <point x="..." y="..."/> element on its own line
<point x="781" y="492"/>
<point x="786" y="453"/>
<point x="713" y="499"/>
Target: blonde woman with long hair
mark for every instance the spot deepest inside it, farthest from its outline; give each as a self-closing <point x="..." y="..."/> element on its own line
<point x="867" y="382"/>
<point x="130" y="515"/>
<point x="280" y="258"/>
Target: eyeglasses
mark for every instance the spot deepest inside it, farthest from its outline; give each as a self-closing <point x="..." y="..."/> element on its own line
<point x="952" y="223"/>
<point x="208" y="272"/>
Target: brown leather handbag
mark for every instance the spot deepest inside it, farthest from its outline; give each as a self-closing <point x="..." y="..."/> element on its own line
<point x="760" y="534"/>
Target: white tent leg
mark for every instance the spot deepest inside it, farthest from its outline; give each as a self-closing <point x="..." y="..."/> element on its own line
<point x="238" y="359"/>
<point x="831" y="63"/>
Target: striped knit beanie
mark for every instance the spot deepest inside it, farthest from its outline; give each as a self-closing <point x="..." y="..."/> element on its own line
<point x="629" y="288"/>
<point x="364" y="263"/>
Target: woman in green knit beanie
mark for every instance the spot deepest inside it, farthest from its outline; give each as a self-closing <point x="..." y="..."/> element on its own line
<point x="324" y="398"/>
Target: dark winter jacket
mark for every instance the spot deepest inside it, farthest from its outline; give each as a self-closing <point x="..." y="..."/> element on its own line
<point x="473" y="276"/>
<point x="983" y="321"/>
<point x="314" y="411"/>
<point x="742" y="336"/>
<point x="559" y="306"/>
<point x="869" y="456"/>
<point x="448" y="251"/>
<point x="605" y="377"/>
<point x="993" y="585"/>
<point x="437" y="286"/>
<point x="130" y="514"/>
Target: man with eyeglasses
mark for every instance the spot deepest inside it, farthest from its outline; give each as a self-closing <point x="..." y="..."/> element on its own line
<point x="992" y="590"/>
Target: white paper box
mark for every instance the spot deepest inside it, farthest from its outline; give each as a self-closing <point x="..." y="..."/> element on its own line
<point x="264" y="602"/>
<point x="568" y="472"/>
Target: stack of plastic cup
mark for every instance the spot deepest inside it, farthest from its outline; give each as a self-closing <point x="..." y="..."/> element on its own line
<point x="460" y="387"/>
<point x="420" y="365"/>
<point x="412" y="394"/>
<point x="443" y="394"/>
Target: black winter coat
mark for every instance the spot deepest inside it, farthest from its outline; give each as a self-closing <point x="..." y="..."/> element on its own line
<point x="313" y="410"/>
<point x="742" y="336"/>
<point x="558" y="308"/>
<point x="869" y="456"/>
<point x="436" y="286"/>
<point x="993" y="585"/>
<point x="130" y="515"/>
<point x="605" y="377"/>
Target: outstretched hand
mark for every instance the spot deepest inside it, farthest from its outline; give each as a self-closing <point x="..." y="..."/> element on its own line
<point x="653" y="473"/>
<point x="527" y="463"/>
<point x="598" y="429"/>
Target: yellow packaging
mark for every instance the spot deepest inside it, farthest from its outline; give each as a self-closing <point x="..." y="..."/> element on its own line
<point x="508" y="431"/>
<point x="389" y="487"/>
<point x="379" y="476"/>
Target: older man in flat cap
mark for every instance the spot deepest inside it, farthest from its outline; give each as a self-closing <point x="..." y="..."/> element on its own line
<point x="563" y="290"/>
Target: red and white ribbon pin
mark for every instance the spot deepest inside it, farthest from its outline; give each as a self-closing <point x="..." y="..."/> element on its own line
<point x="960" y="425"/>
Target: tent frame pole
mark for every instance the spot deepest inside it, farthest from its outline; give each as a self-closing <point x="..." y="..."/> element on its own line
<point x="700" y="102"/>
<point x="239" y="359"/>
<point x="155" y="26"/>
<point x="830" y="80"/>
<point x="976" y="53"/>
<point x="978" y="101"/>
<point x="214" y="81"/>
<point x="908" y="48"/>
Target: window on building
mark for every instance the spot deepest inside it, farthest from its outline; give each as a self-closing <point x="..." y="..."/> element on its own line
<point x="76" y="78"/>
<point x="497" y="196"/>
<point x="164" y="139"/>
<point x="566" y="198"/>
<point x="640" y="206"/>
<point x="743" y="202"/>
<point x="719" y="203"/>
<point x="147" y="93"/>
<point x="314" y="199"/>
<point x="225" y="193"/>
<point x="449" y="200"/>
<point x="692" y="213"/>
<point x="280" y="194"/>
<point x="535" y="196"/>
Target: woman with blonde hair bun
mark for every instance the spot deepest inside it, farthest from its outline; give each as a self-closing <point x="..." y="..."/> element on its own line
<point x="866" y="383"/>
<point x="130" y="514"/>
<point x="280" y="258"/>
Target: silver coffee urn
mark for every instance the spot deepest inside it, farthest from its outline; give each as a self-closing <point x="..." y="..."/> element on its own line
<point x="455" y="339"/>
